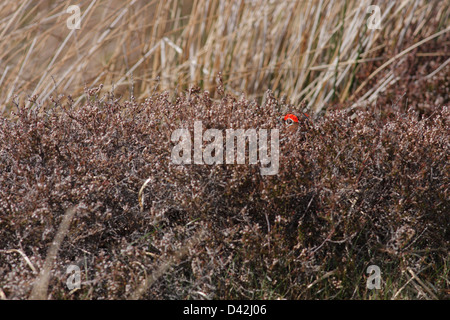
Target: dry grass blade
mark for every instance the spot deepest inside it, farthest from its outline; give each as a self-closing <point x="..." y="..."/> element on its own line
<point x="165" y="265"/>
<point x="40" y="286"/>
<point x="141" y="194"/>
<point x="401" y="54"/>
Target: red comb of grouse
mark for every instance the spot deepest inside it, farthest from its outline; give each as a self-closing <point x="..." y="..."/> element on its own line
<point x="291" y="116"/>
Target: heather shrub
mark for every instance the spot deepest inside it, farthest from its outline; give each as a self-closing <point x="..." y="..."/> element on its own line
<point x="356" y="188"/>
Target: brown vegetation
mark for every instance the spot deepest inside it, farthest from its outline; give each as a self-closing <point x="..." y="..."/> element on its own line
<point x="357" y="190"/>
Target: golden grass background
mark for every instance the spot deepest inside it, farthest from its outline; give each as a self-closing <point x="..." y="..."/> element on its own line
<point x="302" y="49"/>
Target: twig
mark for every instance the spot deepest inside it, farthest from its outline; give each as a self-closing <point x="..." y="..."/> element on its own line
<point x="325" y="276"/>
<point x="415" y="277"/>
<point x="24" y="256"/>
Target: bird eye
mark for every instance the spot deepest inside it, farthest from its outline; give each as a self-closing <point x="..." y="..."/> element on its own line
<point x="289" y="122"/>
